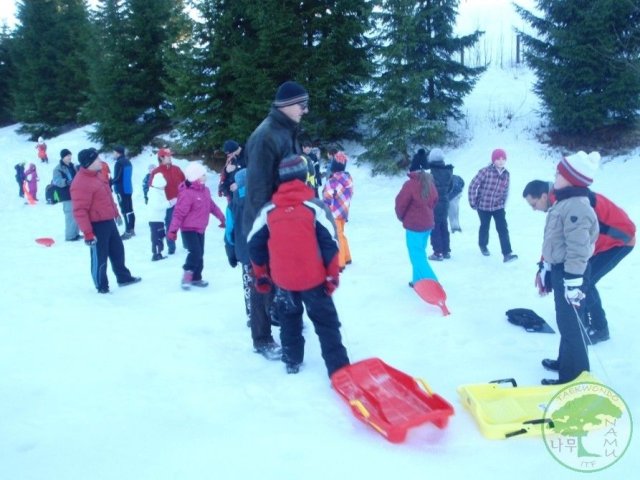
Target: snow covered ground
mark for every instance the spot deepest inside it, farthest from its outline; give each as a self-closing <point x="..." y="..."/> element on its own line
<point x="151" y="382"/>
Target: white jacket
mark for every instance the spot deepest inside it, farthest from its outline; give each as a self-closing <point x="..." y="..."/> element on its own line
<point x="158" y="203"/>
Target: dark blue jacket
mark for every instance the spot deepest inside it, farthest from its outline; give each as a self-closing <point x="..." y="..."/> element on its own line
<point x="122" y="174"/>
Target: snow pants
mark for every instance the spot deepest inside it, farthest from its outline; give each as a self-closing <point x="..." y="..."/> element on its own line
<point x="501" y="226"/>
<point x="573" y="358"/>
<point x="454" y="213"/>
<point x="194" y="243"/>
<point x="601" y="264"/>
<point x="71" y="230"/>
<point x="417" y="248"/>
<point x="126" y="209"/>
<point x="108" y="246"/>
<point x="323" y="315"/>
<point x="344" y="254"/>
<point x="157" y="237"/>
<point x="171" y="245"/>
<point x="260" y="305"/>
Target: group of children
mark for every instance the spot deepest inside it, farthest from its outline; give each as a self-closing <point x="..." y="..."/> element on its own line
<point x="428" y="205"/>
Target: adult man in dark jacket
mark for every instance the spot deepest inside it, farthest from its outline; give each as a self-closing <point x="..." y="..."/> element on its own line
<point x="63" y="175"/>
<point x="274" y="139"/>
<point x="97" y="215"/>
<point x="123" y="187"/>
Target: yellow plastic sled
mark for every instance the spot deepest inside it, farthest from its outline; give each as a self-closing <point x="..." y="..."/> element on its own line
<point x="503" y="412"/>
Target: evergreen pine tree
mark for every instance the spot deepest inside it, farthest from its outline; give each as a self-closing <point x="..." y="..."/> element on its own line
<point x="241" y="51"/>
<point x="419" y="84"/>
<point x="587" y="61"/>
<point x="51" y="78"/>
<point x="129" y="75"/>
<point x="6" y="73"/>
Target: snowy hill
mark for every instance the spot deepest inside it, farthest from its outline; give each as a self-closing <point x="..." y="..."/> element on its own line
<point x="151" y="382"/>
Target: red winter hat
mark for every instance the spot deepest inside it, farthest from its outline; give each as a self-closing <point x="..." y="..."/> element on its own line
<point x="164" y="152"/>
<point x="497" y="154"/>
<point x="580" y="168"/>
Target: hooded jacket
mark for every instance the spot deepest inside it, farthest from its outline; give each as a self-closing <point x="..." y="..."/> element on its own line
<point x="191" y="213"/>
<point x="296" y="236"/>
<point x="412" y="209"/>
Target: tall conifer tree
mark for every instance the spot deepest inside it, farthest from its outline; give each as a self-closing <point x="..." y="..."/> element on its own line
<point x="587" y="60"/>
<point x="6" y="73"/>
<point x="129" y="76"/>
<point x="420" y="83"/>
<point x="49" y="55"/>
<point x="241" y="51"/>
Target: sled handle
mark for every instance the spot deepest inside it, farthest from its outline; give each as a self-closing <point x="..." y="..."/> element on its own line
<point x="424" y="385"/>
<point x="357" y="405"/>
<point x="512" y="381"/>
<point x="537" y="421"/>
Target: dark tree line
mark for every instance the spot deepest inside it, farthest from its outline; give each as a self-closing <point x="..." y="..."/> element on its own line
<point x="386" y="72"/>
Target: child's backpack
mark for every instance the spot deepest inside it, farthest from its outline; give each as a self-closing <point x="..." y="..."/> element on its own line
<point x="51" y="194"/>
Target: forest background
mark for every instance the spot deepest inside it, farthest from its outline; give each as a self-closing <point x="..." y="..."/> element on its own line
<point x="391" y="74"/>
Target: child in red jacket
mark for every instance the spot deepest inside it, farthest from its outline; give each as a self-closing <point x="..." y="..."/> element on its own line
<point x="191" y="215"/>
<point x="293" y="243"/>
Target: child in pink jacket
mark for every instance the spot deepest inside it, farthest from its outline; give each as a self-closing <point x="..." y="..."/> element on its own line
<point x="31" y="180"/>
<point x="191" y="216"/>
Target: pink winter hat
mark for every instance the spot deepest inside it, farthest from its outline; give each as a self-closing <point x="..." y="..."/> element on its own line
<point x="497" y="154"/>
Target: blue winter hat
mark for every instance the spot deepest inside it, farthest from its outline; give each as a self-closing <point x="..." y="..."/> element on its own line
<point x="290" y="93"/>
<point x="119" y="149"/>
<point x="230" y="146"/>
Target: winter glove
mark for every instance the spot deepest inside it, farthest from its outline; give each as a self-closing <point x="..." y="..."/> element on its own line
<point x="173" y="236"/>
<point x="90" y="239"/>
<point x="262" y="278"/>
<point x="543" y="278"/>
<point x="332" y="279"/>
<point x="572" y="291"/>
<point x="119" y="221"/>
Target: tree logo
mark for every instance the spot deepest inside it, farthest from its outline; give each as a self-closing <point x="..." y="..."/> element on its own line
<point x="590" y="427"/>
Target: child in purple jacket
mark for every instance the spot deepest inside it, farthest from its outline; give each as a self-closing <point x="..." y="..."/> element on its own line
<point x="191" y="216"/>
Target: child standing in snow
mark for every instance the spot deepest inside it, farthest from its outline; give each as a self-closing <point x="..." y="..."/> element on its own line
<point x="337" y="195"/>
<point x="488" y="195"/>
<point x="20" y="178"/>
<point x="570" y="234"/>
<point x="293" y="242"/>
<point x="442" y="174"/>
<point x="414" y="208"/>
<point x="41" y="147"/>
<point x="31" y="180"/>
<point x="191" y="215"/>
<point x="158" y="204"/>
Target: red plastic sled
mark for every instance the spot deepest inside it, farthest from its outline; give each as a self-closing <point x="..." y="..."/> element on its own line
<point x="389" y="400"/>
<point x="46" y="241"/>
<point x="432" y="292"/>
